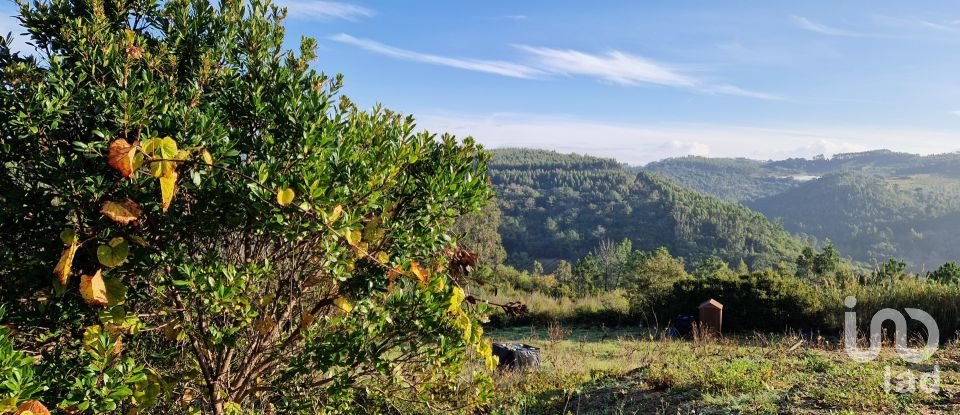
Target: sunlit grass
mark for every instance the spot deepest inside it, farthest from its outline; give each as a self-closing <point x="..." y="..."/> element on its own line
<point x="591" y="370"/>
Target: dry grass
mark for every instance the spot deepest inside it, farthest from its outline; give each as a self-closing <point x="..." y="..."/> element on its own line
<point x="545" y="308"/>
<point x="588" y="371"/>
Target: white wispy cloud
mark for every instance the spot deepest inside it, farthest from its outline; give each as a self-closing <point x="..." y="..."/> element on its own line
<point x="480" y="65"/>
<point x="807" y="24"/>
<point x="740" y="92"/>
<point x="914" y="22"/>
<point x="636" y="143"/>
<point x="630" y="70"/>
<point x="324" y="10"/>
<point x="938" y="26"/>
<point x="615" y="67"/>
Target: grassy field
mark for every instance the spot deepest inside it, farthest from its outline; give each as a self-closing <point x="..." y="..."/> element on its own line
<point x="598" y="371"/>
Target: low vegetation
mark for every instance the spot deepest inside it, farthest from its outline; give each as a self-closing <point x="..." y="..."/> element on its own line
<point x="633" y="371"/>
<point x="615" y="285"/>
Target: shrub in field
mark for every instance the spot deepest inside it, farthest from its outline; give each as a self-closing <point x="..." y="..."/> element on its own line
<point x="194" y="221"/>
<point x="762" y="300"/>
<point x="771" y="301"/>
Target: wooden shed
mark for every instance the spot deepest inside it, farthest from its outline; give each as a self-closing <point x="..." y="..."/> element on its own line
<point x="711" y="315"/>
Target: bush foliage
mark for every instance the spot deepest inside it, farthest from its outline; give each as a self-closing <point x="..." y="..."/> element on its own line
<point x="194" y="220"/>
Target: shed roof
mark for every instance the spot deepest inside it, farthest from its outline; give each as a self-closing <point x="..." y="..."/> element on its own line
<point x="711" y="304"/>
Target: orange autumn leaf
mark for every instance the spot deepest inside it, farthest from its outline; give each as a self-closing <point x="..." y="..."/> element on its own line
<point x="422" y="275"/>
<point x="33" y="407"/>
<point x="62" y="271"/>
<point x="121" y="212"/>
<point x="122" y="156"/>
<point x="395" y="272"/>
<point x="117" y="347"/>
<point x="392" y="275"/>
<point x="93" y="289"/>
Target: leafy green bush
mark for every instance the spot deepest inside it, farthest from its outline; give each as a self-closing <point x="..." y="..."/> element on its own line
<point x="225" y="219"/>
<point x="18" y="382"/>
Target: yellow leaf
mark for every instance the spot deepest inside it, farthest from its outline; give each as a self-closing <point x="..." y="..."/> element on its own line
<point x="463" y="321"/>
<point x="422" y="274"/>
<point x="456" y="299"/>
<point x="168" y="169"/>
<point x="285" y="196"/>
<point x="121" y="212"/>
<point x="383" y="257"/>
<point x="121" y="156"/>
<point x="93" y="290"/>
<point x="335" y="214"/>
<point x="353" y="237"/>
<point x="62" y="271"/>
<point x="207" y="158"/>
<point x="168" y="186"/>
<point x="150" y="145"/>
<point x="8" y="405"/>
<point x="361" y="250"/>
<point x="343" y="303"/>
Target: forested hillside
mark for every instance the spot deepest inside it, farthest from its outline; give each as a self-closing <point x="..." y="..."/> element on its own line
<point x="558" y="206"/>
<point x="872" y="205"/>
<point x="871" y="218"/>
<point x="729" y="179"/>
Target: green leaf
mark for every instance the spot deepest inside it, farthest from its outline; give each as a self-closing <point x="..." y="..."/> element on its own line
<point x="113" y="253"/>
<point x="68" y="236"/>
<point x="116" y="291"/>
<point x="167" y="147"/>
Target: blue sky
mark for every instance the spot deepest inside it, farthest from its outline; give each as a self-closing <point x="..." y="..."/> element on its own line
<point x="640" y="81"/>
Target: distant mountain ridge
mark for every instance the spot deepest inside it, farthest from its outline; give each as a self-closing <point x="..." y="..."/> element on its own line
<point x="560" y="206"/>
<point x="873" y="205"/>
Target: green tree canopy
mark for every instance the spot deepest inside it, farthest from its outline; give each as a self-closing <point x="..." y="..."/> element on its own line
<point x="195" y="220"/>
